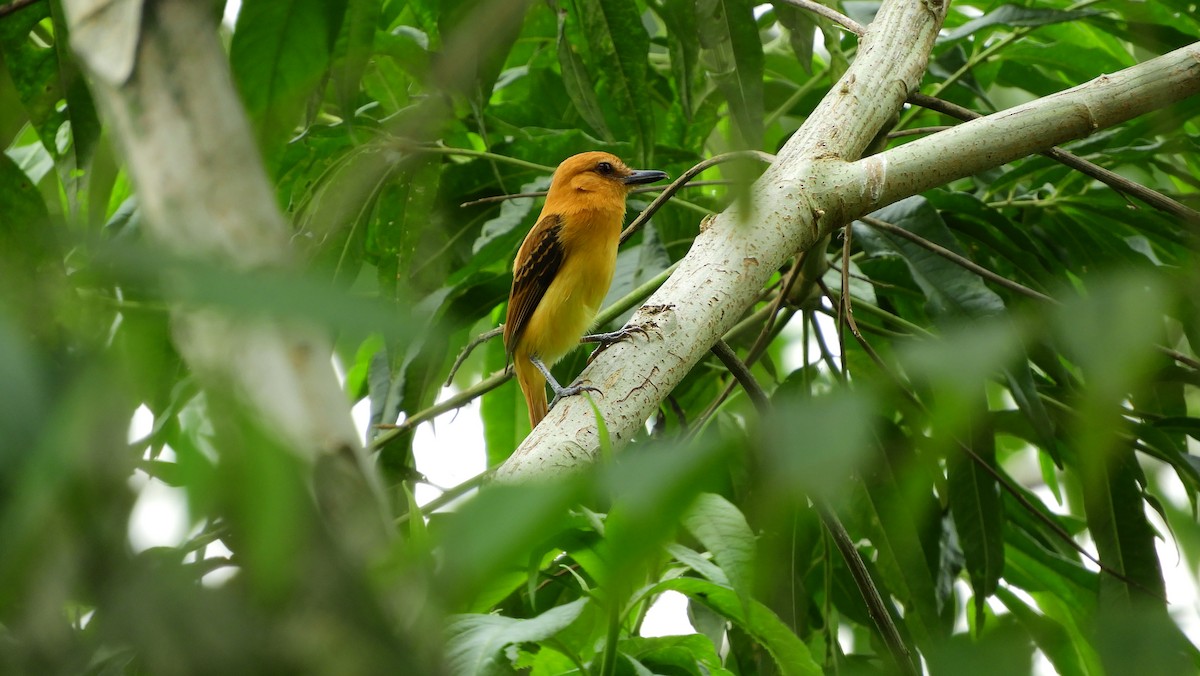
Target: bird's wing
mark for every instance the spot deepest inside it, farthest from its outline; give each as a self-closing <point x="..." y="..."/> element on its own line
<point x="538" y="261"/>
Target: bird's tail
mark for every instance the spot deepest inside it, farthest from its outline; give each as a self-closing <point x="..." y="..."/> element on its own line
<point x="533" y="386"/>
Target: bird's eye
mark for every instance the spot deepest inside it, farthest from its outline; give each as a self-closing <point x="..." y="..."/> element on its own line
<point x="604" y="168"/>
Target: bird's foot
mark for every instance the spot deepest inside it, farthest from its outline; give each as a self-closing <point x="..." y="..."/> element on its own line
<point x="606" y="339"/>
<point x="569" y="391"/>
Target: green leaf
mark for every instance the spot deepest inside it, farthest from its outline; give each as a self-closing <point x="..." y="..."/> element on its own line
<point x="697" y="562"/>
<point x="895" y="524"/>
<point x="356" y="44"/>
<point x="495" y="532"/>
<point x="618" y="47"/>
<point x="1124" y="538"/>
<point x="1013" y="16"/>
<point x="691" y="654"/>
<point x="950" y="289"/>
<point x="651" y="491"/>
<point x="579" y="84"/>
<point x="34" y="72"/>
<point x="475" y="642"/>
<point x="722" y="529"/>
<point x="401" y="213"/>
<point x="838" y="429"/>
<point x="789" y="652"/>
<point x="733" y="57"/>
<point x="80" y="110"/>
<point x="279" y="54"/>
<point x="801" y="26"/>
<point x="974" y="496"/>
<point x="505" y="418"/>
<point x="1069" y="657"/>
<point x="683" y="44"/>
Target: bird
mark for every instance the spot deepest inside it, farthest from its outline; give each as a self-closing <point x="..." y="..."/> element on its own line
<point x="563" y="270"/>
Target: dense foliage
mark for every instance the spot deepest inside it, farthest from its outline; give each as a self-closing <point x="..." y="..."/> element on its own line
<point x="1010" y="452"/>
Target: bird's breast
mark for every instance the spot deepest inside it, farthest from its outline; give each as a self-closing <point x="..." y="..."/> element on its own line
<point x="573" y="298"/>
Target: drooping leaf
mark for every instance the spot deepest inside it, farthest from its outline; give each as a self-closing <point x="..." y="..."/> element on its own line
<point x="476" y="642"/>
<point x="732" y="55"/>
<point x="580" y="86"/>
<point x="722" y="529"/>
<point x="1015" y="15"/>
<point x="618" y="46"/>
<point x="279" y="55"/>
<point x="693" y="654"/>
<point x="974" y="495"/>
<point x="790" y="654"/>
<point x="684" y="47"/>
<point x="355" y="45"/>
<point x="801" y="28"/>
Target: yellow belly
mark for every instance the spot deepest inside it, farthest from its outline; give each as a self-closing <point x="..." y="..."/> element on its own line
<point x="569" y="306"/>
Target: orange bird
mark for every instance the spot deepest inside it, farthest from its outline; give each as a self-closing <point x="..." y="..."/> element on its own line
<point x="563" y="270"/>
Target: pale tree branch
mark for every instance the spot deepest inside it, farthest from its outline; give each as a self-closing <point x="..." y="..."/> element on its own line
<point x="203" y="192"/>
<point x="817" y="185"/>
<point x="1110" y="178"/>
<point x="787" y="211"/>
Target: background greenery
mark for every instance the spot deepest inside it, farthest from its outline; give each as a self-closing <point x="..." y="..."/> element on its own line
<point x="378" y="120"/>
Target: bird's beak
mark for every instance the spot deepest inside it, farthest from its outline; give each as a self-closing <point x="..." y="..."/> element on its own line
<point x="640" y="176"/>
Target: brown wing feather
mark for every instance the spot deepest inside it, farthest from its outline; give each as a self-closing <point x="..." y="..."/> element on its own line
<point x="538" y="261"/>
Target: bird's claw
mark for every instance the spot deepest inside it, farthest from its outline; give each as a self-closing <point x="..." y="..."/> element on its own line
<point x="571" y="391"/>
<point x="606" y="339"/>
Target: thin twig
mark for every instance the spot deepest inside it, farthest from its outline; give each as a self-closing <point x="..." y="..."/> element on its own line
<point x="866" y="586"/>
<point x="1178" y="356"/>
<point x="997" y="279"/>
<point x="542" y="193"/>
<point x="469" y="348"/>
<point x="1110" y="178"/>
<point x="15" y="6"/>
<point x="449" y="495"/>
<point x="957" y="259"/>
<point x="831" y="14"/>
<point x="461" y="399"/>
<point x="846" y="298"/>
<point x="742" y="372"/>
<point x="686" y="177"/>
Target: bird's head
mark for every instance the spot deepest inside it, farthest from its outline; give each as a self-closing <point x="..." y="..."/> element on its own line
<point x="596" y="180"/>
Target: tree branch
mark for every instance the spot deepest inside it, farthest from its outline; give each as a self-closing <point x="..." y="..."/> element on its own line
<point x="788" y="209"/>
<point x="15" y="6"/>
<point x="283" y="373"/>
<point x="810" y="191"/>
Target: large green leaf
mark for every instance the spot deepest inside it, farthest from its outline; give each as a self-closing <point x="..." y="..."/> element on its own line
<point x="279" y="55"/>
<point x="975" y="504"/>
<point x="1069" y="657"/>
<point x="692" y="653"/>
<point x="617" y="49"/>
<point x="801" y="26"/>
<point x="355" y="45"/>
<point x="896" y="524"/>
<point x="684" y="47"/>
<point x="722" y="529"/>
<point x="733" y="57"/>
<point x="34" y="72"/>
<point x="790" y="654"/>
<point x="1013" y="16"/>
<point x="475" y="642"/>
<point x="580" y="85"/>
